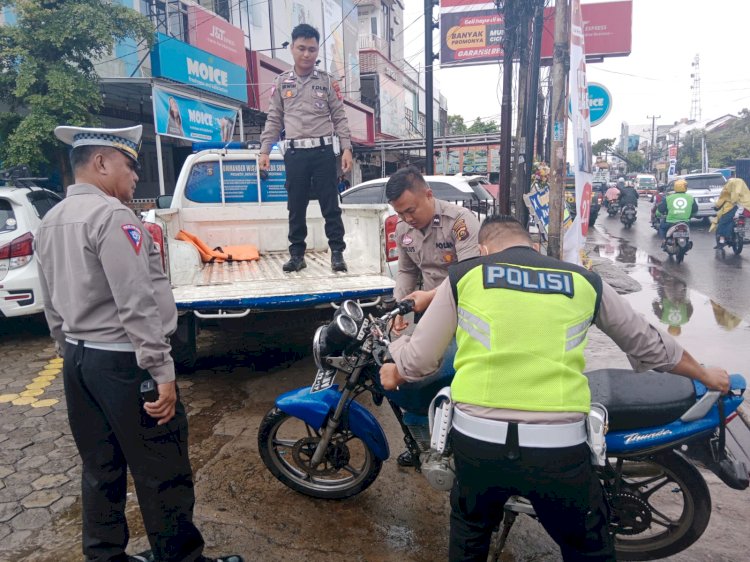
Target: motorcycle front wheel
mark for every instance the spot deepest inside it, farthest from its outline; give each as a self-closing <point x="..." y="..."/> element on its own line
<point x="287" y="444"/>
<point x="662" y="507"/>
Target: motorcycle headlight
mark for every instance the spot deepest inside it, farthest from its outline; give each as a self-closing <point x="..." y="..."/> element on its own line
<point x="333" y="337"/>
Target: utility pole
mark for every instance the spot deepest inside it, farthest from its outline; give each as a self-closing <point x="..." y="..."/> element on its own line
<point x="429" y="58"/>
<point x="506" y="108"/>
<point x="651" y="147"/>
<point x="559" y="119"/>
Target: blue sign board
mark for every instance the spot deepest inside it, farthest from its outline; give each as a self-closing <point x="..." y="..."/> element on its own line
<point x="178" y="61"/>
<point x="187" y="118"/>
<point x="240" y="182"/>
<point x="600" y="103"/>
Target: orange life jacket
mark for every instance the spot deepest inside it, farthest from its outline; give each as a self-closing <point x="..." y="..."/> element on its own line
<point x="243" y="252"/>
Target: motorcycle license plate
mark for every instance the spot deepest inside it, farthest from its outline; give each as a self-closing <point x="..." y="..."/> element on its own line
<point x="323" y="380"/>
<point x="680" y="235"/>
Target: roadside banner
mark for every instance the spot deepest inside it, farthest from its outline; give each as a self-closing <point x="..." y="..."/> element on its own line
<point x="187" y="118"/>
<point x="580" y="118"/>
<point x="471" y="32"/>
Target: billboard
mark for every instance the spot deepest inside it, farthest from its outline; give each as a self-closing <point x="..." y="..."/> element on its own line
<point x="607" y="30"/>
<point x="187" y="118"/>
<point x="333" y="35"/>
<point x="351" y="50"/>
<point x="470" y="33"/>
<point x="178" y="61"/>
<point x="216" y="35"/>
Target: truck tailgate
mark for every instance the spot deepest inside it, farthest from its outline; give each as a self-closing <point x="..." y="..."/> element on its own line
<point x="262" y="284"/>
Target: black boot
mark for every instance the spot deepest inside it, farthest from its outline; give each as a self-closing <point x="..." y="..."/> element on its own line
<point x="295" y="263"/>
<point x="337" y="261"/>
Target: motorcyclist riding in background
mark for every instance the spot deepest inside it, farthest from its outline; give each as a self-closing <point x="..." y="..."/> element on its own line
<point x="676" y="207"/>
<point x="628" y="196"/>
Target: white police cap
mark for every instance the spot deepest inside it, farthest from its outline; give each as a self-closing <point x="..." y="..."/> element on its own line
<point x="126" y="140"/>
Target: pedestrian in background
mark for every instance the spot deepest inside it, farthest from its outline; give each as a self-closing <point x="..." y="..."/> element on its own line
<point x="308" y="104"/>
<point x="110" y="310"/>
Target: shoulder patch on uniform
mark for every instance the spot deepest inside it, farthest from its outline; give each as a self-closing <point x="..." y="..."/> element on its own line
<point x="460" y="230"/>
<point x="406" y="240"/>
<point x="337" y="89"/>
<point x="134" y="236"/>
<point x="516" y="278"/>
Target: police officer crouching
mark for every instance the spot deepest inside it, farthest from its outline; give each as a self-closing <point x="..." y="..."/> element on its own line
<point x="520" y="321"/>
<point x="308" y="104"/>
<point x="110" y="310"/>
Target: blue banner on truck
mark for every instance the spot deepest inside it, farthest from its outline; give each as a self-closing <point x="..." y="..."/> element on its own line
<point x="240" y="182"/>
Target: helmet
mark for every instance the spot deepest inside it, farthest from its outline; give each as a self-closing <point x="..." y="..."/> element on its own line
<point x="674" y="330"/>
<point x="622" y="179"/>
<point x="680" y="186"/>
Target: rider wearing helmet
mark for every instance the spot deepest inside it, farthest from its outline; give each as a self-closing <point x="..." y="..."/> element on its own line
<point x="676" y="207"/>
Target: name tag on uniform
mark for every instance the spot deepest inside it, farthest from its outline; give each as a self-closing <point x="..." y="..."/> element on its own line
<point x="515" y="278"/>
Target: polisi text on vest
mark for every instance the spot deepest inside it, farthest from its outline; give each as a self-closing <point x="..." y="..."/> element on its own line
<point x="208" y="73"/>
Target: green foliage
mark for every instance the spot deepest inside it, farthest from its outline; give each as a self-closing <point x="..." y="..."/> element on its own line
<point x="456" y="125"/>
<point x="636" y="161"/>
<point x="602" y="145"/>
<point x="724" y="145"/>
<point x="47" y="72"/>
<point x="480" y="126"/>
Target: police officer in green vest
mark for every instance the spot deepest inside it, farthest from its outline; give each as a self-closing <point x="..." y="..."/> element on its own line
<point x="678" y="207"/>
<point x="520" y="320"/>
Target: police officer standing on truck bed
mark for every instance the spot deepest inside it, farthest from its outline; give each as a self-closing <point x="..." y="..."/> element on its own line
<point x="110" y="310"/>
<point x="521" y="319"/>
<point x="431" y="235"/>
<point x="308" y="104"/>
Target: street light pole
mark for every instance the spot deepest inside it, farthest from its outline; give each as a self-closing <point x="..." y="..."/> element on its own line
<point x="651" y="146"/>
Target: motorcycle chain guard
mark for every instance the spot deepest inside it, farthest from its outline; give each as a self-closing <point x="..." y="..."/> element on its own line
<point x="314" y="409"/>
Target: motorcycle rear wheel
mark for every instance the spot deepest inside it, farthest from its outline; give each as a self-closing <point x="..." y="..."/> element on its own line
<point x="662" y="508"/>
<point x="737" y="246"/>
<point x="680" y="255"/>
<point x="286" y="443"/>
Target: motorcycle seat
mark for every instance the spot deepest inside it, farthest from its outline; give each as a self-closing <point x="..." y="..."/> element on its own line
<point x="639" y="400"/>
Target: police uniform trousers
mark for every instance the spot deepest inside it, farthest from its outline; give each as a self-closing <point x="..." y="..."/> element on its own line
<point x="312" y="171"/>
<point x="560" y="483"/>
<point x="114" y="433"/>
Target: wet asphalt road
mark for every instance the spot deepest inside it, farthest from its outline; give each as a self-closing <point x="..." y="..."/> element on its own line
<point x="243" y="367"/>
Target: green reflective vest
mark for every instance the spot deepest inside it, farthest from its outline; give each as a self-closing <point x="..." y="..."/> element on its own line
<point x="679" y="207"/>
<point x="522" y="328"/>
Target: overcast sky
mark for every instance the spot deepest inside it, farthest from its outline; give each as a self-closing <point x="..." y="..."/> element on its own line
<point x="653" y="80"/>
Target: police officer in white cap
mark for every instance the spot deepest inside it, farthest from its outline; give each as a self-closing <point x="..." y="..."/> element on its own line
<point x="110" y="310"/>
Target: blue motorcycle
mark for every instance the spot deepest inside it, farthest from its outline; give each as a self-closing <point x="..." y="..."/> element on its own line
<point x="321" y="441"/>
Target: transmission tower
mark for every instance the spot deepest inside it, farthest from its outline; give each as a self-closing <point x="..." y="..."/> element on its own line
<point x="695" y="104"/>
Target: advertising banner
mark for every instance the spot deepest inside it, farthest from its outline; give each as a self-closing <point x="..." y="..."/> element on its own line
<point x="287" y="14"/>
<point x="191" y="119"/>
<point x="607" y="29"/>
<point x="240" y="182"/>
<point x="351" y="50"/>
<point x="392" y="110"/>
<point x="580" y="118"/>
<point x="178" y="61"/>
<point x="216" y="35"/>
<point x="600" y="103"/>
<point x="471" y="33"/>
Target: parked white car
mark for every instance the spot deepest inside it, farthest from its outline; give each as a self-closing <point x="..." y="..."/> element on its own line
<point x="21" y="211"/>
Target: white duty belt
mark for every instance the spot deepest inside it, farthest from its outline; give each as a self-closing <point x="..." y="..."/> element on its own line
<point x="310" y="142"/>
<point x="544" y="436"/>
<point x="104" y="346"/>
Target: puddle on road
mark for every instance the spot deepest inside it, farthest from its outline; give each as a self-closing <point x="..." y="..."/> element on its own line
<point x="711" y="333"/>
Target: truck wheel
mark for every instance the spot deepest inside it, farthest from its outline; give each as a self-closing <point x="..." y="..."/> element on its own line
<point x="184" y="343"/>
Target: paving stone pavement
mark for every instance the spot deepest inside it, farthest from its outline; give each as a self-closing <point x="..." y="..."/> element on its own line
<point x="39" y="465"/>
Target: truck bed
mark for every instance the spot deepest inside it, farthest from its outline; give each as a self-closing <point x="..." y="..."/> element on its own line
<point x="262" y="284"/>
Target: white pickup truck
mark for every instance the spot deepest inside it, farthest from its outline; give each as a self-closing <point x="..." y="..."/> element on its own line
<point x="221" y="198"/>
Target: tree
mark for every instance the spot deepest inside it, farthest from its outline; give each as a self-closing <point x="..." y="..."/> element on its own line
<point x="636" y="161"/>
<point x="456" y="125"/>
<point x="602" y="146"/>
<point x="47" y="73"/>
<point x="480" y="126"/>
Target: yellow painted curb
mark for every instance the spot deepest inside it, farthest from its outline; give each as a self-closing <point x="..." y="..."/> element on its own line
<point x="45" y="403"/>
<point x="51" y="372"/>
<point x="32" y="392"/>
<point x="44" y="378"/>
<point x="24" y="400"/>
<point x="56" y="361"/>
<point x="8" y="397"/>
<point x="38" y="384"/>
